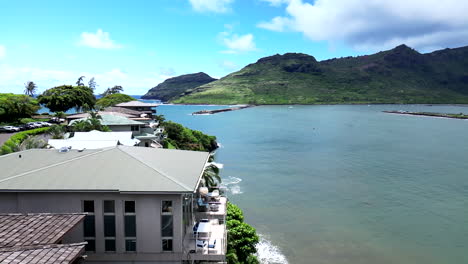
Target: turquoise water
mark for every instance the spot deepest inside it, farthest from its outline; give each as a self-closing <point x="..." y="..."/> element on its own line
<point x="346" y="184"/>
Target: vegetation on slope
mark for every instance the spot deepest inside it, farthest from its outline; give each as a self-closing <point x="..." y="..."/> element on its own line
<point x="242" y="238"/>
<point x="400" y="75"/>
<point x="180" y="137"/>
<point x="14" y="143"/>
<point x="174" y="87"/>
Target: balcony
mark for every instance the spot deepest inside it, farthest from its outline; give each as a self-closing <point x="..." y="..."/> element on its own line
<point x="206" y="241"/>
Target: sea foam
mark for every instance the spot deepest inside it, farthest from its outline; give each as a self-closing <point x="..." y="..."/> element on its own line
<point x="232" y="185"/>
<point x="267" y="253"/>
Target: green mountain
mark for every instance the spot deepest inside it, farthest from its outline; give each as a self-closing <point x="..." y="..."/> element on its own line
<point x="174" y="87"/>
<point x="400" y="75"/>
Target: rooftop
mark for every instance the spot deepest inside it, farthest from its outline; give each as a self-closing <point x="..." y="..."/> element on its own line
<point x="113" y="120"/>
<point x="136" y="104"/>
<point x="115" y="169"/>
<point x="44" y="254"/>
<point x="123" y="110"/>
<point x="19" y="230"/>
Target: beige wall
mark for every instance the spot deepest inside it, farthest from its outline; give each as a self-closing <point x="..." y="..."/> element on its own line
<point x="148" y="220"/>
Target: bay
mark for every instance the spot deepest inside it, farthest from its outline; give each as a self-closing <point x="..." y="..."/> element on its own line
<point x="345" y="184"/>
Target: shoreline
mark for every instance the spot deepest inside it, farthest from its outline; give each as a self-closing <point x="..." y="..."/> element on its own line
<point x="428" y="114"/>
<point x="424" y="104"/>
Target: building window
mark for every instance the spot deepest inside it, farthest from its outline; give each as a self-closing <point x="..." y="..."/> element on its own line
<point x="89" y="225"/>
<point x="167" y="244"/>
<point x="135" y="128"/>
<point x="109" y="225"/>
<point x="167" y="226"/>
<point x="130" y="226"/>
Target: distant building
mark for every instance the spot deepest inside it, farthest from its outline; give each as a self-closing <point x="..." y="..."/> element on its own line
<point x="144" y="132"/>
<point x="147" y="108"/>
<point x="143" y="205"/>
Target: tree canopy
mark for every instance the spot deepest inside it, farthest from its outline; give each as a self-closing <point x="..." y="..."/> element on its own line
<point x="65" y="97"/>
<point x="16" y="106"/>
<point x="113" y="99"/>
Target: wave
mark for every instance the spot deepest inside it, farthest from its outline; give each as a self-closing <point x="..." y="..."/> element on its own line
<point x="267" y="253"/>
<point x="232" y="185"/>
<point x="220" y="145"/>
<point x="219" y="165"/>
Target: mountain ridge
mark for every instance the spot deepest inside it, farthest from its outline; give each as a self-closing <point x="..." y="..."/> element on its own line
<point x="175" y="86"/>
<point x="399" y="75"/>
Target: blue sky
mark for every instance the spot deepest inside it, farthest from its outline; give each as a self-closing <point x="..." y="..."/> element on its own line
<point x="138" y="44"/>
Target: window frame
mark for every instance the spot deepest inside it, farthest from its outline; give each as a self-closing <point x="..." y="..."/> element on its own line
<point x="109" y="238"/>
<point x="128" y="238"/>
<point x="167" y="213"/>
<point x="93" y="213"/>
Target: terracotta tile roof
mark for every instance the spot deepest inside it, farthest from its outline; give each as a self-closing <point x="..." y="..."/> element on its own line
<point x="44" y="254"/>
<point x="18" y="230"/>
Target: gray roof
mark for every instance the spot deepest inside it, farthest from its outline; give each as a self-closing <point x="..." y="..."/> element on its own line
<point x="119" y="169"/>
<point x="44" y="254"/>
<point x="19" y="230"/>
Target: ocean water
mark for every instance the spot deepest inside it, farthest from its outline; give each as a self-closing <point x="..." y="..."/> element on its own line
<point x="345" y="184"/>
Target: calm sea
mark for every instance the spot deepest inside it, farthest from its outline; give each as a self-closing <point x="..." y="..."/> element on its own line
<point x="345" y="184"/>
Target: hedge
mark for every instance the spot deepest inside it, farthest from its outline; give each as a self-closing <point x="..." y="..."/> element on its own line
<point x="12" y="143"/>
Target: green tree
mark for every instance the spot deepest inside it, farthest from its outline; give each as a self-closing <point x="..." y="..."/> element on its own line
<point x="65" y="97"/>
<point x="16" y="106"/>
<point x="113" y="99"/>
<point x="30" y="88"/>
<point x="211" y="176"/>
<point x="92" y="83"/>
<point x="79" y="82"/>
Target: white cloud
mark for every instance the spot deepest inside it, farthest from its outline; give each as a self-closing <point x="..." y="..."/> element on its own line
<point x="98" y="40"/>
<point x="228" y="65"/>
<point x="2" y="51"/>
<point x="236" y="43"/>
<point x="215" y="6"/>
<point x="378" y="24"/>
<point x="167" y="71"/>
<point x="279" y="24"/>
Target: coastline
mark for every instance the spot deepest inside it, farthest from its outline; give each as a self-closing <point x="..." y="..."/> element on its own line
<point x="428" y="114"/>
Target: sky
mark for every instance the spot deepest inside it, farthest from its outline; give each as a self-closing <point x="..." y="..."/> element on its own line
<point x="138" y="44"/>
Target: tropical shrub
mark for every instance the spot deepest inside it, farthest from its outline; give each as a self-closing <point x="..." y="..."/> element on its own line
<point x="242" y="238"/>
<point x="13" y="144"/>
<point x="188" y="139"/>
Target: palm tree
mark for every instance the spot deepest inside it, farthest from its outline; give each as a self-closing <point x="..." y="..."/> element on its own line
<point x="56" y="131"/>
<point x="30" y="88"/>
<point x="211" y="176"/>
<point x="80" y="81"/>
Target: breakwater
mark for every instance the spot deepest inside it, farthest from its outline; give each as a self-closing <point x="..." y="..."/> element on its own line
<point x="210" y="112"/>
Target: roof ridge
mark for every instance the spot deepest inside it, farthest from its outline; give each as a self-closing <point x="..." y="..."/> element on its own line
<point x="157" y="170"/>
<point x="53" y="165"/>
